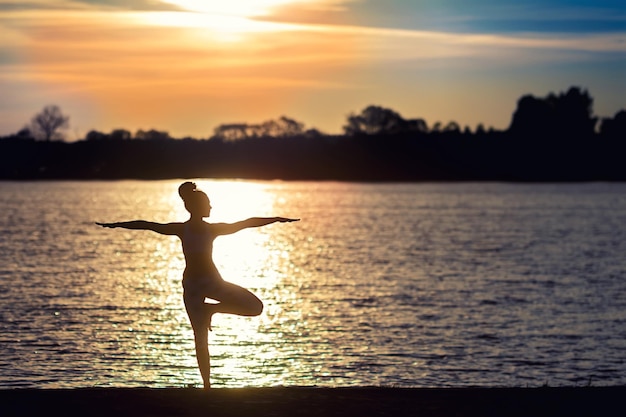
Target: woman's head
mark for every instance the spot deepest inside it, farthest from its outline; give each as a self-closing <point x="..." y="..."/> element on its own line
<point x="196" y="201"/>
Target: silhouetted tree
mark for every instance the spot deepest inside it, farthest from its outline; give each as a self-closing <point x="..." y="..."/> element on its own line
<point x="417" y="125"/>
<point x="533" y="115"/>
<point x="313" y="133"/>
<point x="230" y="132"/>
<point x="117" y="134"/>
<point x="24" y="133"/>
<point x="374" y="120"/>
<point x="283" y="127"/>
<point x="566" y="115"/>
<point x="95" y="135"/>
<point x="46" y="125"/>
<point x="123" y="134"/>
<point x="614" y="128"/>
<point x="574" y="113"/>
<point x="452" y="127"/>
<point x="152" y="134"/>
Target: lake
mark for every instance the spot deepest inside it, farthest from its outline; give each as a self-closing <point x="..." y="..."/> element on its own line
<point x="407" y="285"/>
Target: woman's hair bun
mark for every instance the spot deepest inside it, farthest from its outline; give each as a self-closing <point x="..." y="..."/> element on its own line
<point x="186" y="190"/>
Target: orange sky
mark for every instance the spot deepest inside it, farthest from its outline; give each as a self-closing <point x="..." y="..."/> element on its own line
<point x="187" y="69"/>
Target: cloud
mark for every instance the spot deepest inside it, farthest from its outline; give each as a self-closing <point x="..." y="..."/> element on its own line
<point x="94" y="5"/>
<point x="477" y="16"/>
<point x="89" y="46"/>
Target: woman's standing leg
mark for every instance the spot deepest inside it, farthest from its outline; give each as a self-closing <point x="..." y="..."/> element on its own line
<point x="201" y="336"/>
<point x="196" y="309"/>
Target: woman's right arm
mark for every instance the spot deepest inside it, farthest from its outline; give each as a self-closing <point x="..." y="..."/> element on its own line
<point x="164" y="229"/>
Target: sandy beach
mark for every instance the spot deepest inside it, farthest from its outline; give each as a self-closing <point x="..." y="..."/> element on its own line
<point x="297" y="401"/>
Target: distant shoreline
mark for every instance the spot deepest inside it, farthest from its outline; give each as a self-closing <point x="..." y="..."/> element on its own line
<point x="311" y="401"/>
<point x="384" y="158"/>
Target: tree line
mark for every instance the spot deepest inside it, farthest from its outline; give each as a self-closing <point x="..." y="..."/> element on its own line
<point x="552" y="138"/>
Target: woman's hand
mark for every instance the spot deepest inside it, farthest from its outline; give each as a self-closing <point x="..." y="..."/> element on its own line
<point x="109" y="225"/>
<point x="286" y="220"/>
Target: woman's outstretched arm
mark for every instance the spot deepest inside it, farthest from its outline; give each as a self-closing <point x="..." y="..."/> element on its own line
<point x="162" y="228"/>
<point x="228" y="228"/>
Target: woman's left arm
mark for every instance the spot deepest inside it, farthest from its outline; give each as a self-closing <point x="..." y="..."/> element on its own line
<point x="229" y="228"/>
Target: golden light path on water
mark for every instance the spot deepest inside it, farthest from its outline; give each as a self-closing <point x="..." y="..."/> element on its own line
<point x="257" y="259"/>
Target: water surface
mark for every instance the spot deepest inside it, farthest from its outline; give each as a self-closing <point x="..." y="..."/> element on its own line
<point x="421" y="285"/>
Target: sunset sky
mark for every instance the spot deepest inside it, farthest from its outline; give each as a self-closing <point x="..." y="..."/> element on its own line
<point x="186" y="66"/>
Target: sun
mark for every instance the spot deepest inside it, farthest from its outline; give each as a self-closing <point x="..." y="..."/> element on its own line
<point x="242" y="8"/>
<point x="223" y="21"/>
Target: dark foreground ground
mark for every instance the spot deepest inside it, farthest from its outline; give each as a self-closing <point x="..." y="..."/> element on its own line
<point x="319" y="402"/>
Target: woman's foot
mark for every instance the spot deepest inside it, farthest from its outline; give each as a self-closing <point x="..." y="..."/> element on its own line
<point x="210" y="310"/>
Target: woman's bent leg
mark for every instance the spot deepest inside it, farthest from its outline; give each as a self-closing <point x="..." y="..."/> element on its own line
<point x="234" y="299"/>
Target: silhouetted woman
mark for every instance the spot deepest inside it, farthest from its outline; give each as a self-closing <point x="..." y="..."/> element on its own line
<point x="201" y="278"/>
